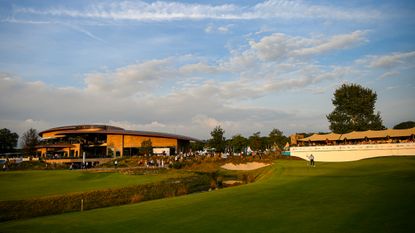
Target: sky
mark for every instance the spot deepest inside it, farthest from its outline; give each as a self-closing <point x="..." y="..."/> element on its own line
<point x="185" y="67"/>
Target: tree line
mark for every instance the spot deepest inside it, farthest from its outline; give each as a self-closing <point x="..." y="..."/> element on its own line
<point x="28" y="142"/>
<point x="354" y="110"/>
<point x="239" y="144"/>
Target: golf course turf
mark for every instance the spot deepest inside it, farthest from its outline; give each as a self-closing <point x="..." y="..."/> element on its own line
<point x="18" y="185"/>
<point x="374" y="195"/>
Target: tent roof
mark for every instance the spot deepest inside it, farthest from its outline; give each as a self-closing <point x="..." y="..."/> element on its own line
<point x="322" y="137"/>
<point x="393" y="133"/>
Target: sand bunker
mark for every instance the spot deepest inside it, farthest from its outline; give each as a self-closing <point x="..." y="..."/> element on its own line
<point x="244" y="166"/>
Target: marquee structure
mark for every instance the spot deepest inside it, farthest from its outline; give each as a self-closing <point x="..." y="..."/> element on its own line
<point x="355" y="145"/>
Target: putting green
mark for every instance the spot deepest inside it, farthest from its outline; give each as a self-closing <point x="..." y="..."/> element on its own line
<point x="375" y="195"/>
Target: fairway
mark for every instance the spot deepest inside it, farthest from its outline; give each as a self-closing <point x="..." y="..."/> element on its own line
<point x="17" y="185"/>
<point x="375" y="195"/>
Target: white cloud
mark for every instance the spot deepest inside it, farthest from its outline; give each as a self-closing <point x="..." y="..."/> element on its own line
<point x="196" y="95"/>
<point x="248" y="77"/>
<point x="223" y="29"/>
<point x="405" y="59"/>
<point x="389" y="74"/>
<point x="205" y="121"/>
<point x="132" y="79"/>
<point x="152" y="126"/>
<point x="199" y="67"/>
<point x="299" y="9"/>
<point x="333" y="43"/>
<point x="44" y="22"/>
<point x="209" y="29"/>
<point x="162" y="10"/>
<point x="279" y="46"/>
<point x="218" y="29"/>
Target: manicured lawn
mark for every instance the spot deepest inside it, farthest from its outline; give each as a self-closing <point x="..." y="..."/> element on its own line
<point x="17" y="185"/>
<point x="376" y="195"/>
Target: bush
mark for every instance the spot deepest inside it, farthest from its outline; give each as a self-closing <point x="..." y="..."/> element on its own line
<point x="27" y="165"/>
<point x="177" y="165"/>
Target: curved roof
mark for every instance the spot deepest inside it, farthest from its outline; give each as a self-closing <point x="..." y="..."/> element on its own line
<point x="107" y="129"/>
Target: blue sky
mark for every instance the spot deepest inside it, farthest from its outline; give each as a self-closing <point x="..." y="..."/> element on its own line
<point x="186" y="66"/>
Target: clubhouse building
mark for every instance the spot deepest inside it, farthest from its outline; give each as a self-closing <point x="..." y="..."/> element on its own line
<point x="100" y="141"/>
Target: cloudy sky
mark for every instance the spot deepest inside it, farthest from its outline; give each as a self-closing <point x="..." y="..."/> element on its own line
<point x="186" y="66"/>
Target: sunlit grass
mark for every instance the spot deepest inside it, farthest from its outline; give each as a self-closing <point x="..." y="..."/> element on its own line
<point x="16" y="185"/>
<point x="375" y="195"/>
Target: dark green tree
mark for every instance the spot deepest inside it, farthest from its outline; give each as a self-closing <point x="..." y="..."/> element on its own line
<point x="354" y="108"/>
<point x="276" y="137"/>
<point x="197" y="146"/>
<point x="8" y="141"/>
<point x="147" y="147"/>
<point x="238" y="143"/>
<point x="405" y="125"/>
<point x="218" y="140"/>
<point x="255" y="141"/>
<point x="29" y="141"/>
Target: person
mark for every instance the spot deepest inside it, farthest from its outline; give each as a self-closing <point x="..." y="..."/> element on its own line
<point x="4" y="167"/>
<point x="115" y="163"/>
<point x="311" y="157"/>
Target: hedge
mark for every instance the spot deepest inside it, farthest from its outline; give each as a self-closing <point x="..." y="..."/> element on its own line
<point x="18" y="209"/>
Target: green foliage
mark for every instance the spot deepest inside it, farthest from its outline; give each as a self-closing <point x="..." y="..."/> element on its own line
<point x="197" y="146"/>
<point x="33" y="165"/>
<point x="277" y="138"/>
<point x="354" y="110"/>
<point x="238" y="143"/>
<point x="177" y="165"/>
<point x="373" y="195"/>
<point x="147" y="147"/>
<point x="8" y="141"/>
<point x="256" y="142"/>
<point x="405" y="125"/>
<point x="218" y="140"/>
<point x="29" y="141"/>
<point x="101" y="198"/>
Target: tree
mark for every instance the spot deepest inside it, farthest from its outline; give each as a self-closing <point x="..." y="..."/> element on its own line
<point x="197" y="146"/>
<point x="29" y="141"/>
<point x="255" y="141"/>
<point x="277" y="138"/>
<point x="354" y="110"/>
<point x="8" y="141"/>
<point x="218" y="140"/>
<point x="147" y="147"/>
<point x="405" y="125"/>
<point x="238" y="143"/>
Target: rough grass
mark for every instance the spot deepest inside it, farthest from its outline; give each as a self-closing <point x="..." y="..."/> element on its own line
<point x="18" y="185"/>
<point x="375" y="195"/>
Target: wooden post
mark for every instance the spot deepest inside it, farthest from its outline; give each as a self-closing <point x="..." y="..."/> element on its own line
<point x="82" y="205"/>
